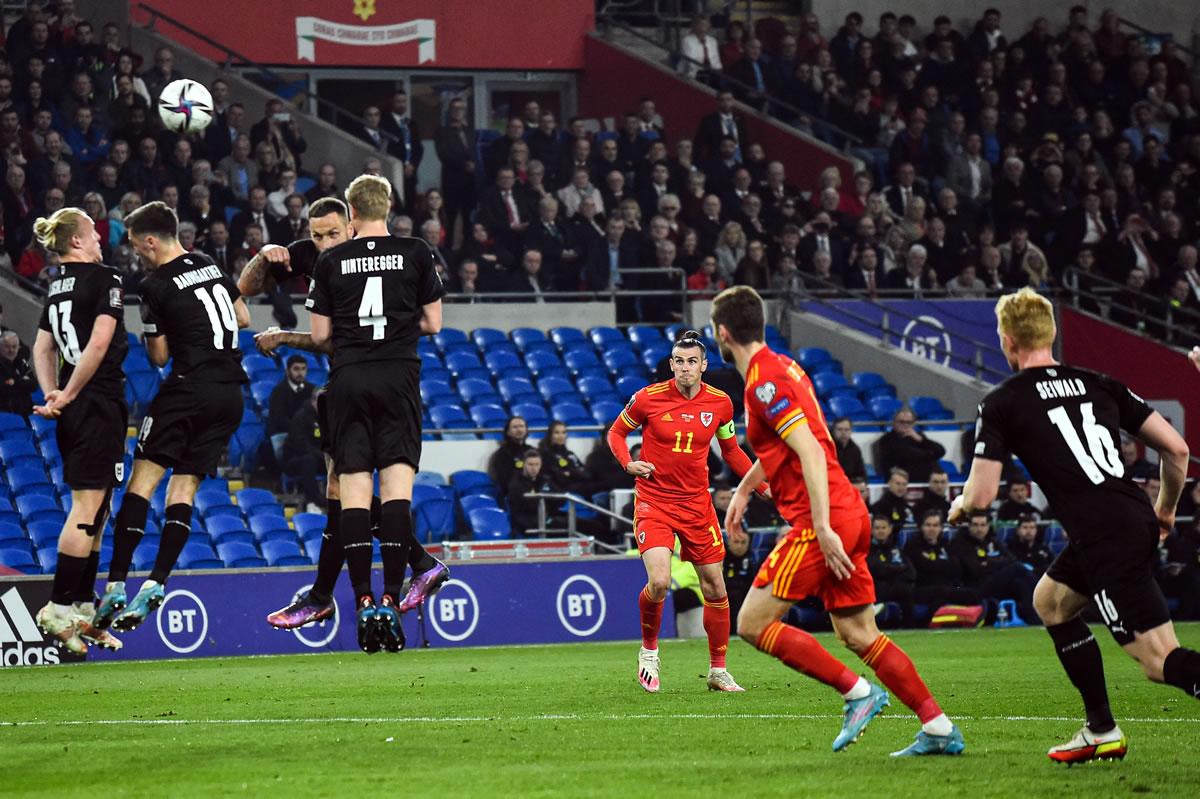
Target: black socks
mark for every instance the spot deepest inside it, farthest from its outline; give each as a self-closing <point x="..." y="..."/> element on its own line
<point x="1182" y="669"/>
<point x="356" y="540"/>
<point x="332" y="556"/>
<point x="395" y="532"/>
<point x="177" y="526"/>
<point x="129" y="527"/>
<point x="1080" y="656"/>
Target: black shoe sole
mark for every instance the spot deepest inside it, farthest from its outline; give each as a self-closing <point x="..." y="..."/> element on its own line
<point x="391" y="642"/>
<point x="105" y="623"/>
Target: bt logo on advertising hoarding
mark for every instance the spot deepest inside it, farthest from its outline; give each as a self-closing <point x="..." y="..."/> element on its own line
<point x="454" y="611"/>
<point x="926" y="337"/>
<point x="182" y="621"/>
<point x="581" y="605"/>
<point x="317" y="636"/>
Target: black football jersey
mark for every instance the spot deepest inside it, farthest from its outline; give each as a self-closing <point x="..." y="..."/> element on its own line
<point x="373" y="289"/>
<point x="1065" y="425"/>
<point x="82" y="294"/>
<point x="191" y="303"/>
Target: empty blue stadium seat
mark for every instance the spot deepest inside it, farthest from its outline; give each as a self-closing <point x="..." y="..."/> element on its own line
<point x="307" y="523"/>
<point x="830" y="385"/>
<point x="433" y="519"/>
<point x="551" y="388"/>
<point x="538" y="362"/>
<point x="886" y="390"/>
<point x="13" y="533"/>
<point x="432" y="390"/>
<point x="427" y="478"/>
<point x="926" y="407"/>
<point x="486" y="337"/>
<point x="462" y="346"/>
<point x="430" y="360"/>
<point x="563" y="337"/>
<point x="21" y="560"/>
<point x="533" y="414"/>
<point x="243" y="447"/>
<point x="471" y="481"/>
<point x="951" y="470"/>
<point x="255" y="364"/>
<point x="488" y="416"/>
<point x="489" y="524"/>
<point x="312" y="546"/>
<point x="499" y="362"/>
<point x="577" y="360"/>
<point x="26" y="480"/>
<point x="19" y="453"/>
<point x="449" y="335"/>
<point x="47" y="559"/>
<point x="850" y="407"/>
<point x="619" y="359"/>
<point x="865" y="381"/>
<point x="250" y="498"/>
<point x="811" y="356"/>
<point x="524" y="336"/>
<point x="642" y="336"/>
<point x="825" y="367"/>
<point x="12" y="421"/>
<point x="449" y="417"/>
<point x="512" y="387"/>
<point x="242" y="555"/>
<point x="604" y="337"/>
<point x="456" y="362"/>
<point x="472" y="501"/>
<point x="884" y="408"/>
<point x="229" y="528"/>
<point x="628" y="385"/>
<point x="560" y="372"/>
<point x="591" y="386"/>
<point x="606" y="413"/>
<point x="571" y="412"/>
<point x="199" y="556"/>
<point x="215" y="502"/>
<point x="43" y="428"/>
<point x="269" y="526"/>
<point x="471" y="389"/>
<point x="284" y="553"/>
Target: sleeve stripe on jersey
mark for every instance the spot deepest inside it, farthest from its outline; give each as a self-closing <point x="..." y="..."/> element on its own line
<point x="632" y="424"/>
<point x="789" y="420"/>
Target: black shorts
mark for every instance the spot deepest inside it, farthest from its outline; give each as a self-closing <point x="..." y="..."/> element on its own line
<point x="374" y="416"/>
<point x="323" y="419"/>
<point x="91" y="437"/>
<point x="189" y="425"/>
<point x="1118" y="574"/>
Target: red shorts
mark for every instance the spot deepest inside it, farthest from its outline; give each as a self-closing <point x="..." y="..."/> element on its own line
<point x="657" y="524"/>
<point x="796" y="568"/>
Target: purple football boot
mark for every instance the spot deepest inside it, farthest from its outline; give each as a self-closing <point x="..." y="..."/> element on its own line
<point x="303" y="610"/>
<point x="425" y="585"/>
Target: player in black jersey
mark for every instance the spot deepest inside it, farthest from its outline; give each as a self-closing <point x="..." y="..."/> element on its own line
<point x="373" y="297"/>
<point x="77" y="355"/>
<point x="193" y="314"/>
<point x="328" y="224"/>
<point x="1064" y="424"/>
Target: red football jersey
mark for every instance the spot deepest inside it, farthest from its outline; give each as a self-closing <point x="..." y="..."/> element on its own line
<point x="779" y="396"/>
<point x="676" y="435"/>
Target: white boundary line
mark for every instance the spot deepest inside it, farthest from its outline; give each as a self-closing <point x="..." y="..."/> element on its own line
<point x="549" y="717"/>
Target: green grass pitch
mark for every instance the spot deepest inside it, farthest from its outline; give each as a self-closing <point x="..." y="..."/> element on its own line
<point x="571" y="721"/>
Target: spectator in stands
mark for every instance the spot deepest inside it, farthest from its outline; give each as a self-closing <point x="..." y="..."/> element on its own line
<point x="288" y="396"/>
<point x="217" y="245"/>
<point x="1028" y="545"/>
<point x="966" y="286"/>
<point x="848" y="454"/>
<point x="455" y="143"/>
<point x="295" y="221"/>
<point x="239" y="171"/>
<point x="1179" y="572"/>
<point x="1017" y="503"/>
<point x="939" y="572"/>
<point x="936" y="495"/>
<point x="277" y="199"/>
<point x="302" y="458"/>
<point x="894" y="502"/>
<point x="257" y="215"/>
<point x="529" y="278"/>
<point x="509" y="458"/>
<point x="506" y="210"/>
<point x="530" y="479"/>
<point x="724" y="123"/>
<point x="894" y="574"/>
<point x="164" y="71"/>
<point x="990" y="569"/>
<point x="905" y="447"/>
<point x="326" y="185"/>
<point x="702" y="56"/>
<point x="563" y="466"/>
<point x="1136" y="466"/>
<point x="17" y="381"/>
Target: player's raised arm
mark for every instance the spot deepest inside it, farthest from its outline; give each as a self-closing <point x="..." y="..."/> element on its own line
<point x="617" y="433"/>
<point x="733" y="455"/>
<point x="1173" y="453"/>
<point x="272" y="338"/>
<point x="256" y="277"/>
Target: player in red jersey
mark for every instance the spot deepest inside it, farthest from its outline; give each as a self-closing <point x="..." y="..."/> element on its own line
<point x="679" y="419"/>
<point x="824" y="554"/>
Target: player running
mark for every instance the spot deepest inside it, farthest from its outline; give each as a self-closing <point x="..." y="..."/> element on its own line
<point x="372" y="298"/>
<point x="1063" y="423"/>
<point x="786" y="429"/>
<point x="327" y="223"/>
<point x="77" y="355"/>
<point x="192" y="312"/>
<point x="679" y="418"/>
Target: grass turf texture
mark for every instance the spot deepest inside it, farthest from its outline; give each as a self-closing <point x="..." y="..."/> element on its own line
<point x="571" y="720"/>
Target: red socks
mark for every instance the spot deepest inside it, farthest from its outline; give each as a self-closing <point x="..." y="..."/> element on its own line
<point x="896" y="671"/>
<point x="716" y="625"/>
<point x="803" y="653"/>
<point x="652" y="619"/>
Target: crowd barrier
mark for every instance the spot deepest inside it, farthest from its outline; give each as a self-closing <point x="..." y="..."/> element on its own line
<point x="222" y="613"/>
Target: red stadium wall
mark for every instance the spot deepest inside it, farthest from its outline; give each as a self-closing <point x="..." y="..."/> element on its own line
<point x="479" y="34"/>
<point x="1159" y="374"/>
<point x="613" y="81"/>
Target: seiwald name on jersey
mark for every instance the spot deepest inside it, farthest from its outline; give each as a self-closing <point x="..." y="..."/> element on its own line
<point x="191" y="303"/>
<point x="83" y="294"/>
<point x="779" y="396"/>
<point x="374" y="289"/>
<point x="1065" y="425"/>
<point x="676" y="437"/>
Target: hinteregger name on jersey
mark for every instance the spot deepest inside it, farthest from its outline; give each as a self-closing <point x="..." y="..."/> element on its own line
<point x="372" y="263"/>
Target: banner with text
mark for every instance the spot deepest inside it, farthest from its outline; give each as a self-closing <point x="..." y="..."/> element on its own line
<point x="223" y="614"/>
<point x="474" y="34"/>
<point x="960" y="334"/>
<point x="1159" y="374"/>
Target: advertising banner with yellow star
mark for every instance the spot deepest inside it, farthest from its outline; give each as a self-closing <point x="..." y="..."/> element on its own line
<point x="475" y="34"/>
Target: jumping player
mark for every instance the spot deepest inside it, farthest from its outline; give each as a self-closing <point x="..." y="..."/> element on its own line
<point x="1064" y="424"/>
<point x="77" y="355"/>
<point x="679" y="418"/>
<point x="328" y="224"/>
<point x="193" y="313"/>
<point x="372" y="297"/>
<point x="786" y="429"/>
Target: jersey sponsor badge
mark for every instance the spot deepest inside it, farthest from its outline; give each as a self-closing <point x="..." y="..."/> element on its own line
<point x="765" y="393"/>
<point x="706" y="419"/>
<point x="779" y="407"/>
<point x="114" y="298"/>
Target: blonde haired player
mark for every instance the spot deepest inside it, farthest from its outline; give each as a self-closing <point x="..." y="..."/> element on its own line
<point x="77" y="356"/>
<point x="1064" y="424"/>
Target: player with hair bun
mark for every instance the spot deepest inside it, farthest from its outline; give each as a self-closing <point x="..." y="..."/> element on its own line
<point x="679" y="419"/>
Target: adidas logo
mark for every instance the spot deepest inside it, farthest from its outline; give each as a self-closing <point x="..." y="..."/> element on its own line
<point x="21" y="642"/>
<point x="666" y="417"/>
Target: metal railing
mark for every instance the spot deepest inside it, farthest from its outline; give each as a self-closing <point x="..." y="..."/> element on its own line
<point x="339" y="116"/>
<point x="1178" y="326"/>
<point x="843" y="139"/>
<point x="574" y="501"/>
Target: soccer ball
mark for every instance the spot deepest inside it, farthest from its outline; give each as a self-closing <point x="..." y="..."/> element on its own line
<point x="185" y="106"/>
